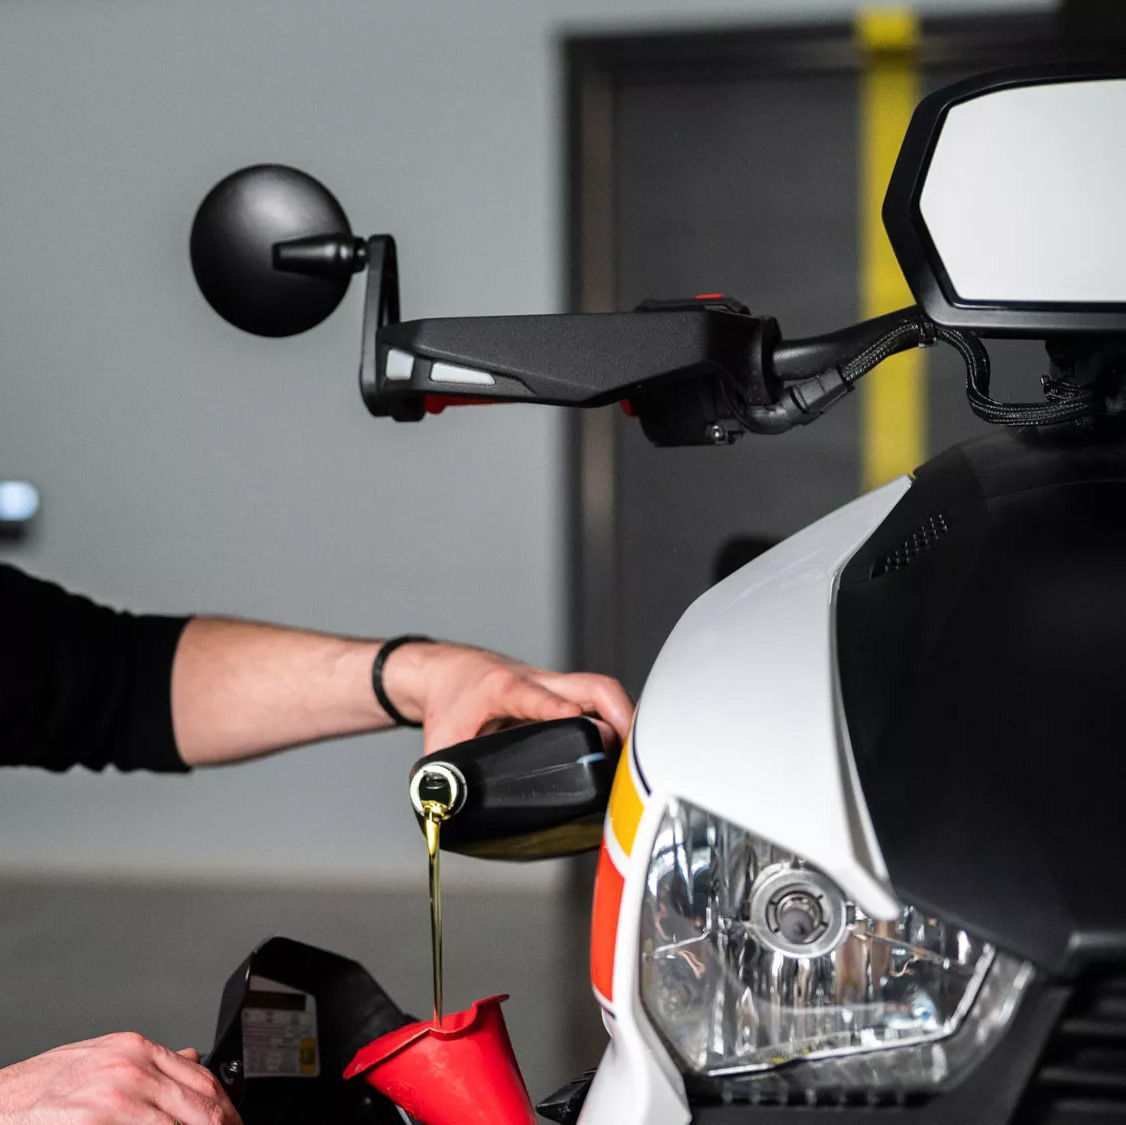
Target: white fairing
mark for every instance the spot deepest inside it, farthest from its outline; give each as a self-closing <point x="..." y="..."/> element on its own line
<point x="1023" y="195"/>
<point x="741" y="716"/>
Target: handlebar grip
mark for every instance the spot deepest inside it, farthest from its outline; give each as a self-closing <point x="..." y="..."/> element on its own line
<point x="558" y="360"/>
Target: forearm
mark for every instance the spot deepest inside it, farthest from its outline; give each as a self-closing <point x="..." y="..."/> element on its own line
<point x="240" y="689"/>
<point x="83" y="684"/>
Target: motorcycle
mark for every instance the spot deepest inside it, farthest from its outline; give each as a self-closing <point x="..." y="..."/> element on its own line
<point x="862" y="852"/>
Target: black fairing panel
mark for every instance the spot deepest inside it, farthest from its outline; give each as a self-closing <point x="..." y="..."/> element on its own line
<point x="982" y="644"/>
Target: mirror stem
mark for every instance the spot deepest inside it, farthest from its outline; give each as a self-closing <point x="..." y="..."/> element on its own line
<point x="321" y="255"/>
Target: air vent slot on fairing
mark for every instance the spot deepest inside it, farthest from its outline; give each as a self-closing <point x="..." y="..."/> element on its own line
<point x="1081" y="1077"/>
<point x="920" y="540"/>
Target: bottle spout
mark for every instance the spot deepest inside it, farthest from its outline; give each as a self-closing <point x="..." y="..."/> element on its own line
<point x="437" y="787"/>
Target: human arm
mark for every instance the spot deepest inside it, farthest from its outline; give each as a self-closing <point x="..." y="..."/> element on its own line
<point x="81" y="684"/>
<point x="241" y="689"/>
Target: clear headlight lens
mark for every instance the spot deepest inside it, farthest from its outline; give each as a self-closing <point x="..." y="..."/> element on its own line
<point x="751" y="959"/>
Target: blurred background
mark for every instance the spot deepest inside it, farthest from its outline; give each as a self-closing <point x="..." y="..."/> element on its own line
<point x="528" y="157"/>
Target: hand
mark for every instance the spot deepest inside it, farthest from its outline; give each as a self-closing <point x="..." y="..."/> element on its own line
<point x="456" y="691"/>
<point x="115" y="1079"/>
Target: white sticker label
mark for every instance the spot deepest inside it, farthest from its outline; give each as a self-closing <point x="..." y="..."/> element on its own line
<point x="279" y="1032"/>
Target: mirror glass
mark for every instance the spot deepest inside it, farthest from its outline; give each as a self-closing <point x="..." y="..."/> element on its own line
<point x="1022" y="197"/>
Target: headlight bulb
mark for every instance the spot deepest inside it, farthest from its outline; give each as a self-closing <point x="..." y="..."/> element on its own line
<point x="797" y="911"/>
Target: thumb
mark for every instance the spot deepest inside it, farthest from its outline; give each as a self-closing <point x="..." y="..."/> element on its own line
<point x="442" y="733"/>
<point x="190" y="1053"/>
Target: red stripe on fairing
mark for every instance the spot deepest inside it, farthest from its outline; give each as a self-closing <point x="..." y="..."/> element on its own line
<point x="608" y="887"/>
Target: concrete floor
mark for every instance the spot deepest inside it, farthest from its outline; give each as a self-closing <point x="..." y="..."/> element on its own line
<point x="80" y="959"/>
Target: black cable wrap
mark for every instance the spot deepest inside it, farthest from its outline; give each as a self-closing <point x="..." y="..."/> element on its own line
<point x="1065" y="402"/>
<point x="803" y="399"/>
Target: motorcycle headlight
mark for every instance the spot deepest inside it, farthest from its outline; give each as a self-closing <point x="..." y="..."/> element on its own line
<point x="752" y="960"/>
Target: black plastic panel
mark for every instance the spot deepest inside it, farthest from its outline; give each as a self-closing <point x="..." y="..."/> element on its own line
<point x="982" y="684"/>
<point x="351" y="1010"/>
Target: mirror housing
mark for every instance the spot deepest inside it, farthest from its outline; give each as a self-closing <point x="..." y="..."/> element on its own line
<point x="272" y="251"/>
<point x="1004" y="207"/>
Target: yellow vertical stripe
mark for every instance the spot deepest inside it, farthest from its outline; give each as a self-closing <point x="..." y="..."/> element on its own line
<point x="893" y="406"/>
<point x="625" y="804"/>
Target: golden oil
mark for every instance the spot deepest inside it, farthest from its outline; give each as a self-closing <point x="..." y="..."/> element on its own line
<point x="434" y="812"/>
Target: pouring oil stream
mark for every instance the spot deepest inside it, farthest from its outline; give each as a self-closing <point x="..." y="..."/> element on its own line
<point x="437" y="791"/>
<point x="434" y="812"/>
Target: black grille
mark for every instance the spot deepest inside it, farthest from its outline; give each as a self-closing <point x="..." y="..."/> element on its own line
<point x="765" y="1092"/>
<point x="1082" y="1077"/>
<point x="912" y="547"/>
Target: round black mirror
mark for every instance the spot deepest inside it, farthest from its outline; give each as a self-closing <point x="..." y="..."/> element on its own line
<point x="239" y="225"/>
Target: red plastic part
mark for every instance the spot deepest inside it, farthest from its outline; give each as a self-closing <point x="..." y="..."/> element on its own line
<point x="463" y="1073"/>
<point x="608" y="888"/>
<point x="435" y="404"/>
<point x="709" y="296"/>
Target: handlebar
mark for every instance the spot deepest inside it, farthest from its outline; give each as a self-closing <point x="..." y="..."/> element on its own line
<point x="668" y="365"/>
<point x="273" y="253"/>
<point x="694" y="371"/>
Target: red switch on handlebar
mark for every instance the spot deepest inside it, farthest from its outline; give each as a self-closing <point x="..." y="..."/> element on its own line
<point x="435" y="404"/>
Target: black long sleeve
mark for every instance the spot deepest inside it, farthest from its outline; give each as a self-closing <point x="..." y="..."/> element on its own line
<point x="81" y="684"/>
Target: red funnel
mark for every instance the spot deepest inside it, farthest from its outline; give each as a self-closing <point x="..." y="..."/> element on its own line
<point x="463" y="1073"/>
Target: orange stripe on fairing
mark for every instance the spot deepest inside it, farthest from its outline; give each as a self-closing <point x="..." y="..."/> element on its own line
<point x="608" y="886"/>
<point x="625" y="804"/>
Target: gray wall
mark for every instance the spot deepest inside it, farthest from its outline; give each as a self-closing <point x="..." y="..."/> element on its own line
<point x="185" y="466"/>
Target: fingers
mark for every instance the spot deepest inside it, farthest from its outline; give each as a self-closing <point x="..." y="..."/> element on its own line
<point x="438" y="735"/>
<point x="510" y="695"/>
<point x="607" y="733"/>
<point x="177" y="1087"/>
<point x="531" y="699"/>
<point x="189" y="1053"/>
<point x="449" y="727"/>
<point x="188" y="1107"/>
<point x="530" y="693"/>
<point x="468" y="690"/>
<point x="599" y="695"/>
<point x="188" y="1074"/>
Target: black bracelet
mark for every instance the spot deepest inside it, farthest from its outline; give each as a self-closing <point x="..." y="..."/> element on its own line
<point x="381" y="695"/>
